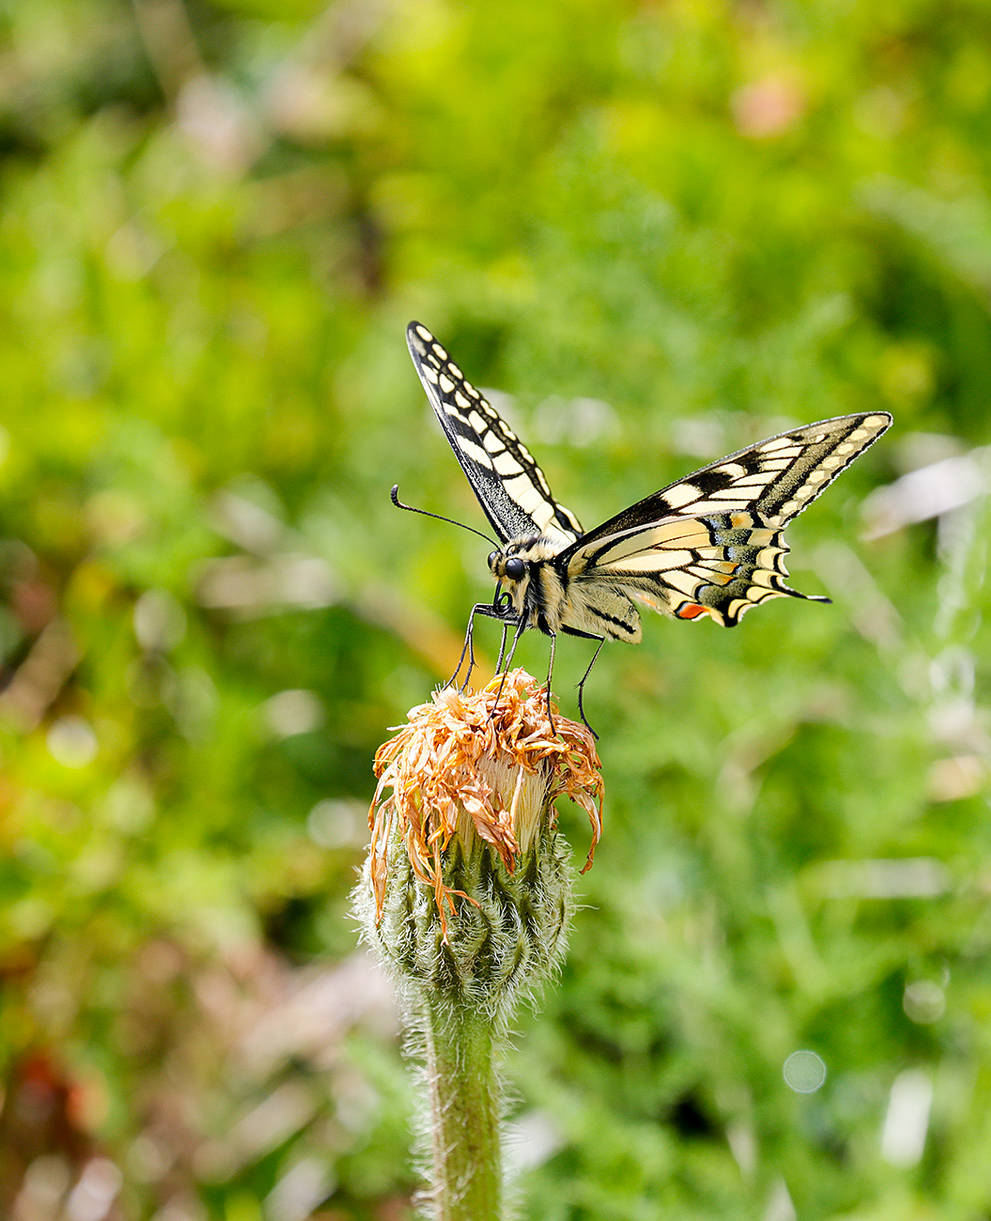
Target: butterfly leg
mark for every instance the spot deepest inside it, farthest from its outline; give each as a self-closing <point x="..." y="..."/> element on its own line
<point x="480" y="608"/>
<point x="581" y="710"/>
<point x="465" y="648"/>
<point x="469" y="644"/>
<point x="520" y="629"/>
<point x="550" y="675"/>
<point x="502" y="647"/>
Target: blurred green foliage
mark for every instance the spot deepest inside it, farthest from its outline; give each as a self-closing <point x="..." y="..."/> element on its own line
<point x="666" y="230"/>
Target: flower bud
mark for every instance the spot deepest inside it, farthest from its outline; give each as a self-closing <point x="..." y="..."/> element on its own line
<point x="467" y="888"/>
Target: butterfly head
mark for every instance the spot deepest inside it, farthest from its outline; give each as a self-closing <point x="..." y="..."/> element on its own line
<point x="512" y="574"/>
<point x="515" y="568"/>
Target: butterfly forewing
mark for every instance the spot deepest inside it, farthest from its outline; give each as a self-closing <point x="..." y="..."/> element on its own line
<point x="509" y="484"/>
<point x="777" y="477"/>
<point x="712" y="543"/>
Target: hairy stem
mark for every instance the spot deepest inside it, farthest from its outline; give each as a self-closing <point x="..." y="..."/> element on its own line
<point x="464" y="1113"/>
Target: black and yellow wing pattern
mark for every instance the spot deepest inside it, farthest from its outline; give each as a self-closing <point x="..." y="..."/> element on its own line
<point x="713" y="543"/>
<point x="509" y="484"/>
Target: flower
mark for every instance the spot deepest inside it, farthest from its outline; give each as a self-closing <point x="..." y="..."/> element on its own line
<point x="477" y="767"/>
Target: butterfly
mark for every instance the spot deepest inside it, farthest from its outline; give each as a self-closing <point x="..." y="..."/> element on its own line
<point x="710" y="545"/>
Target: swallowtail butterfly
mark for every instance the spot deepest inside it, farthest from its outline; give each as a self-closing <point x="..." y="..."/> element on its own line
<point x="710" y="545"/>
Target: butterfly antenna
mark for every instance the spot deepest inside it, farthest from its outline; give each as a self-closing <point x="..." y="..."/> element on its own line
<point x="394" y="496"/>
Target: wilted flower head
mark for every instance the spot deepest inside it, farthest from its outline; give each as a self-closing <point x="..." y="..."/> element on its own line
<point x="467" y="768"/>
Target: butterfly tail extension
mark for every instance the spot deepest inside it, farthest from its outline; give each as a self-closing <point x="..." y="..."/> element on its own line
<point x="759" y="576"/>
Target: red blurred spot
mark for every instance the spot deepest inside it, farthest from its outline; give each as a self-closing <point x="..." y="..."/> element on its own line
<point x="767" y="107"/>
<point x="33" y="603"/>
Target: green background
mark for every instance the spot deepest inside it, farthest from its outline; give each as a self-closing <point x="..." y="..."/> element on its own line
<point x="666" y="230"/>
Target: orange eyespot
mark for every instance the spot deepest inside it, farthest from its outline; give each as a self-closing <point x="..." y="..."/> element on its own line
<point x="689" y="610"/>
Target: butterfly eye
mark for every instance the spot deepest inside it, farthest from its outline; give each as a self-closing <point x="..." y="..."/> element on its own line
<point x="493" y="556"/>
<point x="515" y="568"/>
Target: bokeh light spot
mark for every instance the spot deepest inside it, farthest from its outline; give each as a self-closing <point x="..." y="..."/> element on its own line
<point x="72" y="742"/>
<point x="804" y="1072"/>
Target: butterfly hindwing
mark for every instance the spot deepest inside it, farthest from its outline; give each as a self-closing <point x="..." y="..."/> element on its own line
<point x="712" y="543"/>
<point x="720" y="565"/>
<point x="509" y="484"/>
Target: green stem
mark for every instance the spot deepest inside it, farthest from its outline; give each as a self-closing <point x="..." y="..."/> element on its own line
<point x="464" y="1114"/>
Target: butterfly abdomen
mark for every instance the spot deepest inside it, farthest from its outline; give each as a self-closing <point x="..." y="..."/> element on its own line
<point x="601" y="610"/>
